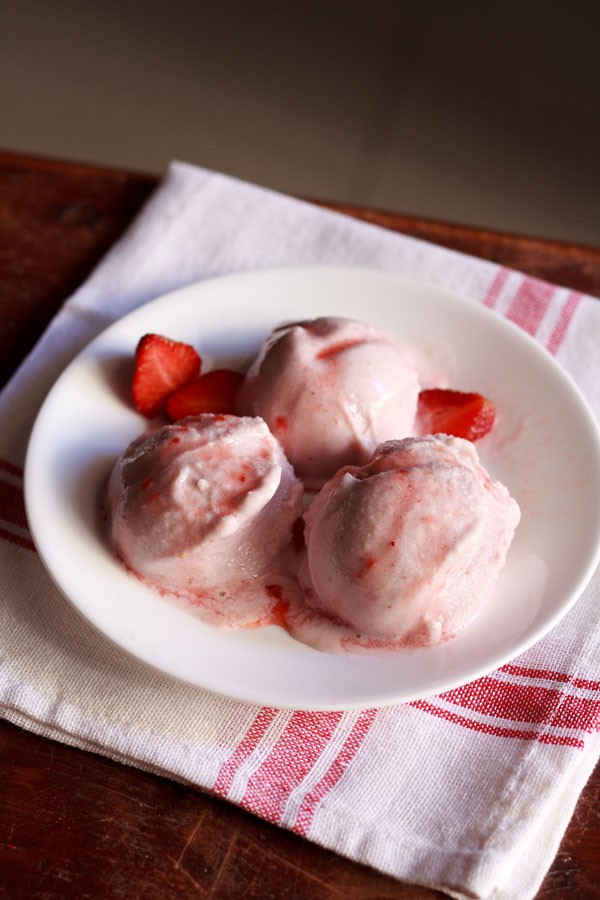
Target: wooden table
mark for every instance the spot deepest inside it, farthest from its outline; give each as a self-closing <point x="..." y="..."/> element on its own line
<point x="74" y="825"/>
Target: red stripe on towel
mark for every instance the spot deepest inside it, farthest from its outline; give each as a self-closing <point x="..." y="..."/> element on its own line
<point x="17" y="539"/>
<point x="12" y="506"/>
<point x="564" y="320"/>
<point x="227" y="772"/>
<point x="10" y="467"/>
<point x="291" y="759"/>
<point x="497" y="730"/>
<point x="350" y="748"/>
<point x="495" y="287"/>
<point x="551" y="675"/>
<point x="530" y="303"/>
<point x="528" y="703"/>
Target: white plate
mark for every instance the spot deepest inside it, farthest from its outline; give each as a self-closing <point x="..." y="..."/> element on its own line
<point x="545" y="448"/>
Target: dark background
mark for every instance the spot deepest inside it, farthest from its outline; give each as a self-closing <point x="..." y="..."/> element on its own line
<point x="480" y="112"/>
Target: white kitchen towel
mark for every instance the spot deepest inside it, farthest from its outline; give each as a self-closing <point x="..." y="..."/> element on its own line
<point x="470" y="791"/>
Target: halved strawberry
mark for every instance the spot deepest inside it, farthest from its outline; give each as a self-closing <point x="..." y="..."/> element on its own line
<point x="161" y="367"/>
<point x="213" y="392"/>
<point x="461" y="414"/>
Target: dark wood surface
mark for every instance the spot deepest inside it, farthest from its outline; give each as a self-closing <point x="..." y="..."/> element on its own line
<point x="76" y="825"/>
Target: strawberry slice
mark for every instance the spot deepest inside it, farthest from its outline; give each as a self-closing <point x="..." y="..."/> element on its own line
<point x="461" y="414"/>
<point x="213" y="392"/>
<point x="161" y="367"/>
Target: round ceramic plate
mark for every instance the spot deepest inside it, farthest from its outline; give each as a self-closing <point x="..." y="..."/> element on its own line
<point x="545" y="448"/>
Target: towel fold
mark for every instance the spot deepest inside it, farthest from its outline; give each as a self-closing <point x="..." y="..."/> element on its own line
<point x="469" y="792"/>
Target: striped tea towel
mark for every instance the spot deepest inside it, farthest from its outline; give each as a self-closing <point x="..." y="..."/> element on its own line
<point x="470" y="791"/>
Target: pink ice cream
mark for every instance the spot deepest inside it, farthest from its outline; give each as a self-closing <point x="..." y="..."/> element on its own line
<point x="203" y="507"/>
<point x="408" y="548"/>
<point x="331" y="390"/>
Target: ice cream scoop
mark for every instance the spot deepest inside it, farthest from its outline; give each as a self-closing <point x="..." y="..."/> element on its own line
<point x="408" y="548"/>
<point x="331" y="389"/>
<point x="202" y="507"/>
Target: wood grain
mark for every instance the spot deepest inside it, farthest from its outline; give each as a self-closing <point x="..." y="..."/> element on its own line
<point x="77" y="825"/>
<point x="571" y="265"/>
<point x="55" y="223"/>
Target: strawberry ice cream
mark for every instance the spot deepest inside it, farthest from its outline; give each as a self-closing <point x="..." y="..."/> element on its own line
<point x="331" y="390"/>
<point x="202" y="508"/>
<point x="407" y="548"/>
